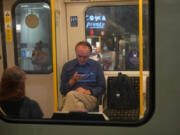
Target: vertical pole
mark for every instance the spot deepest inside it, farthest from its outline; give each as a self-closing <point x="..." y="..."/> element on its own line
<point x="141" y="55"/>
<point x="54" y="55"/>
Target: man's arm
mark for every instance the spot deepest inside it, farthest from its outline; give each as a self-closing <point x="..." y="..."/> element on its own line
<point x="66" y="82"/>
<point x="65" y="87"/>
<point x="82" y="90"/>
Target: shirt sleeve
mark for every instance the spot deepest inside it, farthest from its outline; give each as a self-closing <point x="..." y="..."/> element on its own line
<point x="65" y="87"/>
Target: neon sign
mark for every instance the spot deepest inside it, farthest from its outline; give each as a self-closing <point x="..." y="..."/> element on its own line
<point x="95" y="21"/>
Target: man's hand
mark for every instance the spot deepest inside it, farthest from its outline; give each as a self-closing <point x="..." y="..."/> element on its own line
<point x="75" y="78"/>
<point x="82" y="90"/>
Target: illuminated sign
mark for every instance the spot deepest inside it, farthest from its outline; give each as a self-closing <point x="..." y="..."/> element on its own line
<point x="95" y="21"/>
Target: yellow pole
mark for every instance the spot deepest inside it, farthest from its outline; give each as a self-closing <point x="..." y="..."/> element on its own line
<point x="141" y="55"/>
<point x="54" y="55"/>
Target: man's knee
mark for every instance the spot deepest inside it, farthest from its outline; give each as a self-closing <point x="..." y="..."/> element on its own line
<point x="71" y="94"/>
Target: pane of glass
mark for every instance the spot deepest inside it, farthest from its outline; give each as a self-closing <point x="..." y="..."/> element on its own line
<point x="113" y="32"/>
<point x="33" y="37"/>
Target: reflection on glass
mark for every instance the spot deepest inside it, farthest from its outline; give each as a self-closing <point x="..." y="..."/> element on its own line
<point x="113" y="32"/>
<point x="116" y="30"/>
<point x="33" y="37"/>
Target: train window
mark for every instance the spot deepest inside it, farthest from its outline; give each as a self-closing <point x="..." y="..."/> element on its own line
<point x="113" y="32"/>
<point x="33" y="37"/>
<point x="121" y="35"/>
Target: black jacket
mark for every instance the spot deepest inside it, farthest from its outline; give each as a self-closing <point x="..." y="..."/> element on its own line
<point x="25" y="108"/>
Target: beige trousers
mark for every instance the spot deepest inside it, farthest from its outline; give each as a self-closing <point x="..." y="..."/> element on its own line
<point x="74" y="101"/>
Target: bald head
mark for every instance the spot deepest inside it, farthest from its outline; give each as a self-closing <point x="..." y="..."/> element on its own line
<point x="82" y="53"/>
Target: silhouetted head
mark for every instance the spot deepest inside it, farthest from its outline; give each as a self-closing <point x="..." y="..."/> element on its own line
<point x="38" y="45"/>
<point x="12" y="84"/>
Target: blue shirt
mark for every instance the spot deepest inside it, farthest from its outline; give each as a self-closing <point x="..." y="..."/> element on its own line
<point x="94" y="77"/>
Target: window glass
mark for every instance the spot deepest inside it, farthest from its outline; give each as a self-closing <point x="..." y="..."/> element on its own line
<point x="113" y="32"/>
<point x="33" y="37"/>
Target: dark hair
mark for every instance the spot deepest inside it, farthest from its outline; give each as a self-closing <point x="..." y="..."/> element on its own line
<point x="12" y="84"/>
<point x="84" y="43"/>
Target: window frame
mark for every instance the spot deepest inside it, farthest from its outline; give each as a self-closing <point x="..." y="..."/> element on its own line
<point x="145" y="66"/>
<point x="112" y="123"/>
<point x="15" y="39"/>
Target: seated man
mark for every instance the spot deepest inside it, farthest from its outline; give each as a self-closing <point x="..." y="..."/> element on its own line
<point x="82" y="80"/>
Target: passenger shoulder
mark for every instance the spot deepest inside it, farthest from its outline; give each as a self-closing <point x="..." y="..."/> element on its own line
<point x="70" y="63"/>
<point x="27" y="100"/>
<point x="94" y="62"/>
<point x="33" y="108"/>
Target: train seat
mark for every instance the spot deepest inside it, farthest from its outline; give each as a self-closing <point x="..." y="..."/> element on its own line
<point x="125" y="114"/>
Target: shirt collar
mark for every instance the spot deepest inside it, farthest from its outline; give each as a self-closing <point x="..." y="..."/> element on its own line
<point x="87" y="63"/>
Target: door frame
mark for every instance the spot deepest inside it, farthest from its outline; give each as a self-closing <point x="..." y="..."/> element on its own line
<point x="3" y="59"/>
